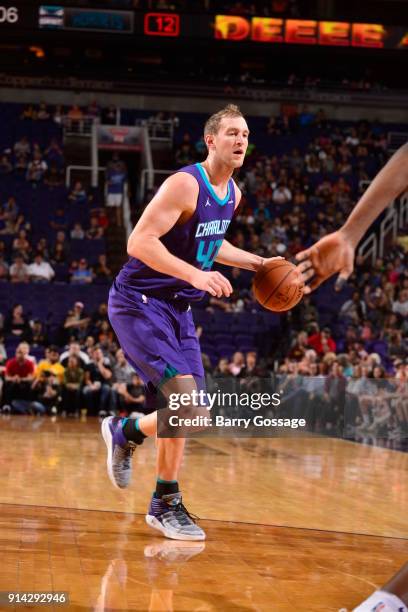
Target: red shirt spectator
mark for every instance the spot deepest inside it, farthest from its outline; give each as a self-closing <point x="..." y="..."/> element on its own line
<point x="19" y="366"/>
<point x="322" y="342"/>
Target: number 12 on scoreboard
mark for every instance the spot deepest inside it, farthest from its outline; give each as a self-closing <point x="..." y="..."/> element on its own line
<point x="162" y="24"/>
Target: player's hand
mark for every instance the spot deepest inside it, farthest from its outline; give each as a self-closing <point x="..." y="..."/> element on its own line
<point x="330" y="255"/>
<point x="266" y="260"/>
<point x="214" y="282"/>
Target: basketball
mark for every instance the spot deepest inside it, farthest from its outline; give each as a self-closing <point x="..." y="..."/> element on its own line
<point x="275" y="288"/>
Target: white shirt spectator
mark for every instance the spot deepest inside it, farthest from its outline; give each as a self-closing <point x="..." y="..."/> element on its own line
<point x="400" y="306"/>
<point x="281" y="195"/>
<point x="22" y="146"/>
<point x="81" y="355"/>
<point x="77" y="233"/>
<point x="40" y="270"/>
<point x="36" y="169"/>
<point x="19" y="271"/>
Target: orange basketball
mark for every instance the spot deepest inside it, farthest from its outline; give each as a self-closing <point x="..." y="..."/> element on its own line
<point x="275" y="286"/>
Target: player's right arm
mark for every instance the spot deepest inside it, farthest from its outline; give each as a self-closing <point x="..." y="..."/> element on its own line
<point x="335" y="252"/>
<point x="174" y="202"/>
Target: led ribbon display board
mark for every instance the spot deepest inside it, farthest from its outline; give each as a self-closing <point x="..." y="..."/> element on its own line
<point x="309" y="32"/>
<point x="230" y="28"/>
<point x="90" y="20"/>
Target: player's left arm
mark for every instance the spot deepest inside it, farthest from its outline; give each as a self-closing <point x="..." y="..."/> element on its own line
<point x="229" y="255"/>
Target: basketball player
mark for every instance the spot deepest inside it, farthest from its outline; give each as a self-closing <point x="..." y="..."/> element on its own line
<point x="172" y="249"/>
<point x="335" y="254"/>
<point x="392" y="597"/>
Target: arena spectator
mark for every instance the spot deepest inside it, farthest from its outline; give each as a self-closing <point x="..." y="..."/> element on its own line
<point x="223" y="369"/>
<point x="99" y="317"/>
<point x="73" y="379"/>
<point x="53" y="177"/>
<point x="61" y="244"/>
<point x="400" y="306"/>
<point x="21" y="165"/>
<point x="47" y="393"/>
<point x="29" y="113"/>
<point x="94" y="232"/>
<point x="74" y="350"/>
<point x="116" y="177"/>
<point x="122" y="371"/>
<point x="76" y="322"/>
<point x="75" y="119"/>
<point x="237" y="363"/>
<point x="281" y="195"/>
<point x="51" y="364"/>
<point x="98" y="378"/>
<point x="22" y="147"/>
<point x="25" y="348"/>
<point x="36" y="169"/>
<point x="58" y="115"/>
<point x="58" y="221"/>
<point x="16" y="324"/>
<point x="39" y="336"/>
<point x="42" y="112"/>
<point x="354" y="310"/>
<point x="59" y="256"/>
<point x="6" y="167"/>
<point x="322" y="342"/>
<point x="82" y="273"/>
<point x="102" y="273"/>
<point x="42" y="248"/>
<point x="21" y="245"/>
<point x="77" y="233"/>
<point x="40" y="271"/>
<point x="130" y="399"/>
<point x="78" y="195"/>
<point x="4" y="269"/>
<point x="19" y="374"/>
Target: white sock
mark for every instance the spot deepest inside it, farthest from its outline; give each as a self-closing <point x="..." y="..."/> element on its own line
<point x="381" y="601"/>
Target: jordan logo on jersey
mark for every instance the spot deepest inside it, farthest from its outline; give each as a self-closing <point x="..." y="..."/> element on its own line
<point x="208" y="203"/>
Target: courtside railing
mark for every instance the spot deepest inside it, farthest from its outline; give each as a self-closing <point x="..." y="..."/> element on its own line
<point x="395" y="220"/>
<point x="74" y="168"/>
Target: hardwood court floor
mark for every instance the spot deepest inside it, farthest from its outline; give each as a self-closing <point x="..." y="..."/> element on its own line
<point x="292" y="525"/>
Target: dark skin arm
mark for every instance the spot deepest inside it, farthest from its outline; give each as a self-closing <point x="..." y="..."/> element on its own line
<point x="335" y="253"/>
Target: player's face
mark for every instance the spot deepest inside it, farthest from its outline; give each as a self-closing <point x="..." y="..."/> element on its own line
<point x="231" y="141"/>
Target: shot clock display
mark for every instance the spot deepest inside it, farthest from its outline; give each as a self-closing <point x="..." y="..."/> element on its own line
<point x="161" y="24"/>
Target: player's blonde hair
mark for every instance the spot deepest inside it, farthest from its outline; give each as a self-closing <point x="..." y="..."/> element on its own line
<point x="212" y="124"/>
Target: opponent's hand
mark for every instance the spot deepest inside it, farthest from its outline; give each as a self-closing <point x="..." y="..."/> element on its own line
<point x="215" y="283"/>
<point x="333" y="253"/>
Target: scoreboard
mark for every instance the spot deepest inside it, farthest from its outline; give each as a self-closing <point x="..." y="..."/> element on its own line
<point x="233" y="29"/>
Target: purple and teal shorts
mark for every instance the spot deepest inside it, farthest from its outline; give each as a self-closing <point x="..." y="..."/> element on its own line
<point x="157" y="336"/>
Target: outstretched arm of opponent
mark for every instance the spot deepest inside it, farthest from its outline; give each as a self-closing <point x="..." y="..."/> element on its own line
<point x="174" y="202"/>
<point x="335" y="252"/>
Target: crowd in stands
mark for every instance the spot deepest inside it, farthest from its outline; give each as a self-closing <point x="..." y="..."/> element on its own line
<point x="50" y="233"/>
<point x="90" y="374"/>
<point x="74" y="114"/>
